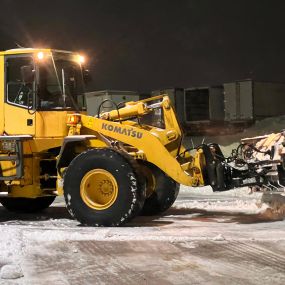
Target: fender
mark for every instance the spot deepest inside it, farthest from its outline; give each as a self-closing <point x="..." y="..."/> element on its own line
<point x="67" y="151"/>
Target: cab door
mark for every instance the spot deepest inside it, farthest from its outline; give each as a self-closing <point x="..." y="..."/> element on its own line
<point x="19" y="114"/>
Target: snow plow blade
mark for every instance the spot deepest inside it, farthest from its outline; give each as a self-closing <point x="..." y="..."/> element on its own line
<point x="266" y="156"/>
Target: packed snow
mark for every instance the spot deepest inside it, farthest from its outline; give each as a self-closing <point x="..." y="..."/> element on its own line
<point x="198" y="216"/>
<point x="11" y="271"/>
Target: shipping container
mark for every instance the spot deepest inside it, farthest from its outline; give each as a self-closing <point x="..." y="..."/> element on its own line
<point x="238" y="97"/>
<point x="250" y="100"/>
<point x="268" y="99"/>
<point x="94" y="100"/>
<point x="204" y="104"/>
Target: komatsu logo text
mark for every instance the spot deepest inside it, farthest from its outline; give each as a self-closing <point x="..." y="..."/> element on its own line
<point x="123" y="131"/>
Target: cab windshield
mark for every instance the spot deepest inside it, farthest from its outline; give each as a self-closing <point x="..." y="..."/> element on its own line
<point x="60" y="83"/>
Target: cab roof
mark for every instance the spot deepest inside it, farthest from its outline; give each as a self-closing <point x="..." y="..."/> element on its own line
<point x="31" y="50"/>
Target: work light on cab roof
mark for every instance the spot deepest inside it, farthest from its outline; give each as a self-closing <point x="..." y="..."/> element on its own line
<point x="40" y="55"/>
<point x="81" y="59"/>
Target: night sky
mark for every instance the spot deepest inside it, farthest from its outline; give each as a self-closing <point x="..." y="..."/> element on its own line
<point x="143" y="45"/>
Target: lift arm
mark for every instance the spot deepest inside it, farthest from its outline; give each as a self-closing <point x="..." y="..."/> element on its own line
<point x="160" y="146"/>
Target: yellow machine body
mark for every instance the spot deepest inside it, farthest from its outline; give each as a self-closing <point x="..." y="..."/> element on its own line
<point x="158" y="146"/>
<point x="44" y="129"/>
<point x="115" y="165"/>
<point x="35" y="135"/>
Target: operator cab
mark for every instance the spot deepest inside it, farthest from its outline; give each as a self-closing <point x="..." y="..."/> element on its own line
<point x="41" y="86"/>
<point x="45" y="80"/>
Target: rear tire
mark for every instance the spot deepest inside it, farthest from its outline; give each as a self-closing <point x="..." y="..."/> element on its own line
<point x="101" y="188"/>
<point x="26" y="205"/>
<point x="164" y="190"/>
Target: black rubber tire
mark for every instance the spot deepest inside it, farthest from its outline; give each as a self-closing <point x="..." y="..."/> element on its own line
<point x="141" y="184"/>
<point x="164" y="195"/>
<point x="130" y="194"/>
<point x="26" y="205"/>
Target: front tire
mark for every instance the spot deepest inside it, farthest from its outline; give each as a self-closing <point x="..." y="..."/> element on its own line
<point x="162" y="190"/>
<point x="101" y="188"/>
<point x="26" y="205"/>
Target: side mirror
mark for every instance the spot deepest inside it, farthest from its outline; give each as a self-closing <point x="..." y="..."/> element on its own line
<point x="86" y="76"/>
<point x="28" y="74"/>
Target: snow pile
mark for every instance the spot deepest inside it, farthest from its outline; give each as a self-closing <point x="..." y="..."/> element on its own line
<point x="219" y="237"/>
<point x="234" y="206"/>
<point x="11" y="271"/>
<point x="11" y="246"/>
<point x="242" y="192"/>
<point x="11" y="251"/>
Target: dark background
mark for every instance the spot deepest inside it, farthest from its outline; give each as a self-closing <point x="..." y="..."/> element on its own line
<point x="143" y="45"/>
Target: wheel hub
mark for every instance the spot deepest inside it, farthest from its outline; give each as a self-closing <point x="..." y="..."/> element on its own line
<point x="99" y="189"/>
<point x="106" y="188"/>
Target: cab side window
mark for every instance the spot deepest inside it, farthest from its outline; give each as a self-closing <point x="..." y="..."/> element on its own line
<point x="18" y="92"/>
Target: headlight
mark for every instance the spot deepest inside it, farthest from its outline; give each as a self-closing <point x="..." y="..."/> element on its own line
<point x="40" y="55"/>
<point x="81" y="59"/>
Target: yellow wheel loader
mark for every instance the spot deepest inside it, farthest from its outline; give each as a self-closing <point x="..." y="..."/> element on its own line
<point x="109" y="167"/>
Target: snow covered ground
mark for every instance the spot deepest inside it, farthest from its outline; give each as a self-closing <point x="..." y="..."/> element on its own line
<point x="202" y="239"/>
<point x="205" y="238"/>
